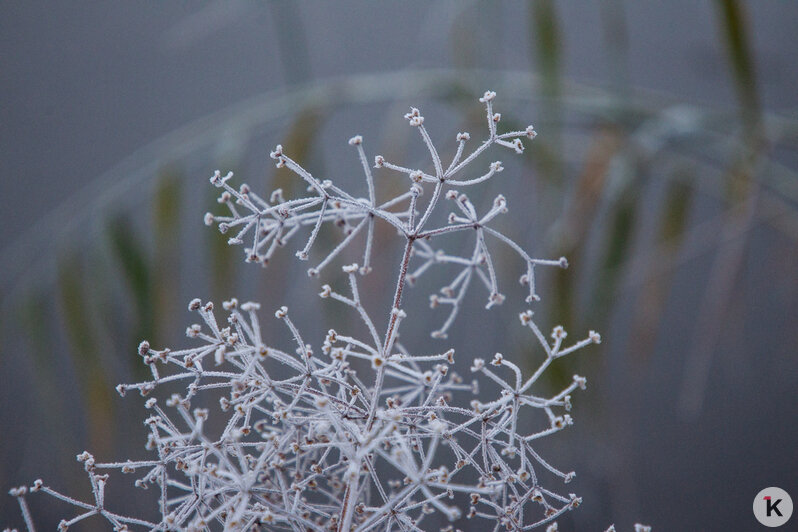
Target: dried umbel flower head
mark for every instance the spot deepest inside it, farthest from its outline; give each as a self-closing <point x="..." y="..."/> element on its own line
<point x="314" y="439"/>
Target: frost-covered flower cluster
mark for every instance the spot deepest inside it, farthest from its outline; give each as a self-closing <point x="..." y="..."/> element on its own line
<point x="357" y="432"/>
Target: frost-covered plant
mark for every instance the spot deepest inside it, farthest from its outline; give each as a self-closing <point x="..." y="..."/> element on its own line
<point x="360" y="433"/>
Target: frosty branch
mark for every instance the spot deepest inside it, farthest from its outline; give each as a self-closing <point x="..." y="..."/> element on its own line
<point x="362" y="433"/>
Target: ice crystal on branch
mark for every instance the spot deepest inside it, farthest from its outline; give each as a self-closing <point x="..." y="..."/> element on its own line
<point x="357" y="433"/>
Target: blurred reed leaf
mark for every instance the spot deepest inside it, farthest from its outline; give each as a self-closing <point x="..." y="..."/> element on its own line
<point x="298" y="142"/>
<point x="572" y="233"/>
<point x="35" y="315"/>
<point x="96" y="386"/>
<point x="624" y="217"/>
<point x="166" y="206"/>
<point x="546" y="34"/>
<point x="678" y="199"/>
<point x="36" y="319"/>
<point x="165" y="267"/>
<point x="735" y="35"/>
<point x="588" y="191"/>
<point x="134" y="264"/>
<point x="673" y="223"/>
<point x="545" y="45"/>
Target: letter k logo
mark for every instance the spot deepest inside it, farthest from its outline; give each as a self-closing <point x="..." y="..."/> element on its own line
<point x="772" y="506"/>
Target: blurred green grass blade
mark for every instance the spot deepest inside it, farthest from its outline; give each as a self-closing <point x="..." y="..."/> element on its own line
<point x="85" y="353"/>
<point x="742" y="193"/>
<point x="617" y="245"/>
<point x="562" y="309"/>
<point x="733" y="22"/>
<point x="588" y="192"/>
<point x="679" y="199"/>
<point x="547" y="35"/>
<point x="131" y="257"/>
<point x="35" y="316"/>
<point x="165" y="266"/>
<point x="133" y="262"/>
<point x="651" y="301"/>
<point x="584" y="201"/>
<point x="166" y="203"/>
<point x="74" y="310"/>
<point x="36" y="319"/>
<point x="298" y="144"/>
<point x="621" y="230"/>
<point x="545" y="42"/>
<point x="589" y="189"/>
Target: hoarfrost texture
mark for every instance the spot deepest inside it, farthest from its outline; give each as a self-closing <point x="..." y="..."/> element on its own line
<point x="315" y="440"/>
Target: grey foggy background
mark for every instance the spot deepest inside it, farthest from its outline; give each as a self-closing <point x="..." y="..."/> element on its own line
<point x="83" y="87"/>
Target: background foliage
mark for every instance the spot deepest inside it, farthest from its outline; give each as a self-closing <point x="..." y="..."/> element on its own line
<point x="677" y="213"/>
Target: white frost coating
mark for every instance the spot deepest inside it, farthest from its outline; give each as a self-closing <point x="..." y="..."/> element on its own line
<point x="324" y="447"/>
